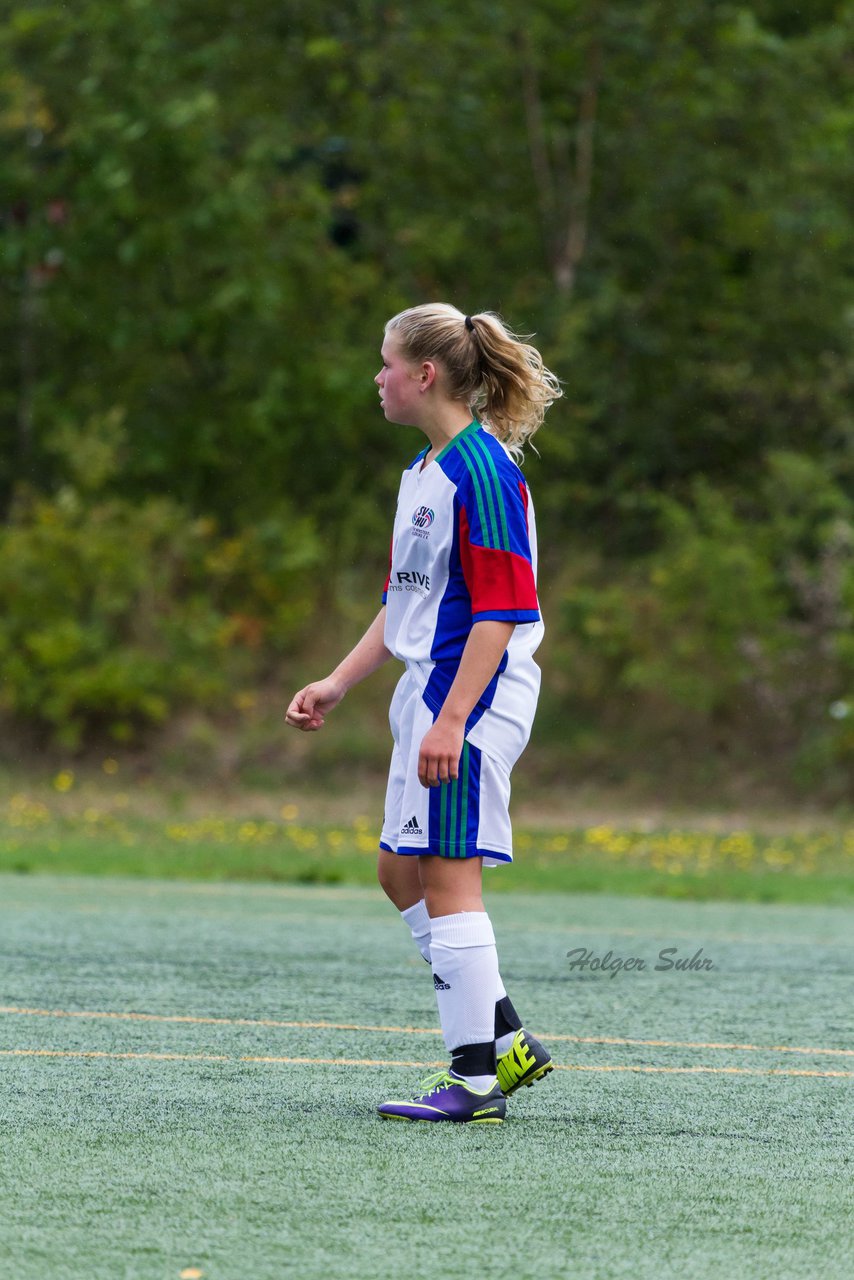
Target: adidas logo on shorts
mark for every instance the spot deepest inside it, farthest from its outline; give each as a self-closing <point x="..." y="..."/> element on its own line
<point x="440" y="984"/>
<point x="411" y="828"/>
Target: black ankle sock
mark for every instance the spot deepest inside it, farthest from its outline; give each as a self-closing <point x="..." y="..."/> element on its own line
<point x="506" y="1018"/>
<point x="474" y="1059"/>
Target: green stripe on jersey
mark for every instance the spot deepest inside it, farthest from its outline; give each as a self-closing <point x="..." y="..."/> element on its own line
<point x="477" y="485"/>
<point x="474" y="461"/>
<point x="480" y="444"/>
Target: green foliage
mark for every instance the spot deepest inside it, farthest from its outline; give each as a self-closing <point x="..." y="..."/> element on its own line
<point x="118" y="613"/>
<point x="206" y="216"/>
<point x="712" y="611"/>
<point x="741" y="620"/>
<point x="214" y="215"/>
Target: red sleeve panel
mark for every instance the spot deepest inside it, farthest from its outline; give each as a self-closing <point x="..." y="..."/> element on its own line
<point x="500" y="583"/>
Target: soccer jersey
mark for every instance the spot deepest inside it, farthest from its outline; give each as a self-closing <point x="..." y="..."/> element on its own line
<point x="464" y="548"/>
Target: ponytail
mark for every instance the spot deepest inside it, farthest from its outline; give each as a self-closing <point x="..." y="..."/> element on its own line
<point x="501" y="378"/>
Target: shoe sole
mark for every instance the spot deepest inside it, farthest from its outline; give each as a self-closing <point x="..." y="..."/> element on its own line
<point x="526" y="1082"/>
<point x="421" y="1120"/>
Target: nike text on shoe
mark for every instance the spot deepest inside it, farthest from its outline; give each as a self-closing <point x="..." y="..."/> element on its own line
<point x="524" y="1062"/>
<point x="445" y="1097"/>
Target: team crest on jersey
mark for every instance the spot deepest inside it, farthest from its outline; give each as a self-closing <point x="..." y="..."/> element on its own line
<point x="422" y="518"/>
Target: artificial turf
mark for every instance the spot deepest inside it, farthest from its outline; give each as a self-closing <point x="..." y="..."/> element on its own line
<point x="207" y="1137"/>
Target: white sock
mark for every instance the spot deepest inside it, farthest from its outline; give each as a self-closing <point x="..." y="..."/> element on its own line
<point x="419" y="923"/>
<point x="482" y="1083"/>
<point x="465" y="975"/>
<point x="418" y="920"/>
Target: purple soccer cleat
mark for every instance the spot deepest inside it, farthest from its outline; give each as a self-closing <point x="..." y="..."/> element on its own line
<point x="445" y="1097"/>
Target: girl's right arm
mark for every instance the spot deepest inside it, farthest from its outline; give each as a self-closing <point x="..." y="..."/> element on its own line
<point x="309" y="707"/>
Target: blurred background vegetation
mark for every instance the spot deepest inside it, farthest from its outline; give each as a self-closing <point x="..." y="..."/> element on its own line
<point x="207" y="213"/>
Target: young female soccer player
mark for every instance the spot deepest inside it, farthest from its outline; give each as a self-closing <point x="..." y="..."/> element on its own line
<point x="460" y="610"/>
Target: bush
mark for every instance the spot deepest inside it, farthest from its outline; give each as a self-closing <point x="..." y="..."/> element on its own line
<point x="738" y="623"/>
<point x="114" y="615"/>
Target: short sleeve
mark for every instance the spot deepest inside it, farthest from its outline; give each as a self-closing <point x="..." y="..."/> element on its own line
<point x="495" y="547"/>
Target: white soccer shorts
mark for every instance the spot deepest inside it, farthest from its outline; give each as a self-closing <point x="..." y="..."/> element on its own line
<point x="466" y="818"/>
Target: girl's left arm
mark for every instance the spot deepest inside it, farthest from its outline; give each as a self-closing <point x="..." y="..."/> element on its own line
<point x="439" y="758"/>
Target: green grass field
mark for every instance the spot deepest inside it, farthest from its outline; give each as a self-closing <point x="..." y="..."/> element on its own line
<point x="190" y="1073"/>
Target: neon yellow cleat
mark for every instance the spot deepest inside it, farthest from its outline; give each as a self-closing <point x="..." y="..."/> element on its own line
<point x="524" y="1062"/>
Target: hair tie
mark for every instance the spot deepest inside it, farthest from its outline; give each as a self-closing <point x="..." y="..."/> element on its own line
<point x="469" y="324"/>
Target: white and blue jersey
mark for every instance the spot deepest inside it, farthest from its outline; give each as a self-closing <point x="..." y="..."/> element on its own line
<point x="464" y="548"/>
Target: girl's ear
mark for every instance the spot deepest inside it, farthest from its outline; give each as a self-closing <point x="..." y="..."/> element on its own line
<point x="427" y="376"/>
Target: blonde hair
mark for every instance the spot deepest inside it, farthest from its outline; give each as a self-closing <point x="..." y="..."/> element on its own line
<point x="501" y="378"/>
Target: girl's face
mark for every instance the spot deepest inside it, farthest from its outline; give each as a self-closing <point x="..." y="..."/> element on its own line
<point x="400" y="382"/>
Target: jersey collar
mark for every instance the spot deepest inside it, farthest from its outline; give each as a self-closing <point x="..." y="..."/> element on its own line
<point x="473" y="426"/>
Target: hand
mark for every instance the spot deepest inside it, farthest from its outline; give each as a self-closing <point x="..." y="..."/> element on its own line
<point x="310" y="706"/>
<point x="439" y="757"/>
